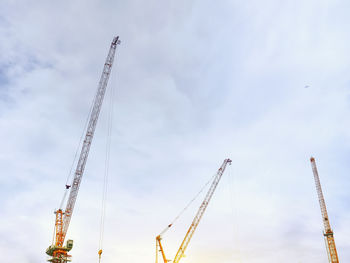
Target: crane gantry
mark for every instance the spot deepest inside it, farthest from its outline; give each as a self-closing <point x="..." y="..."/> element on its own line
<point x="328" y="233"/>
<point x="195" y="222"/>
<point x="57" y="251"/>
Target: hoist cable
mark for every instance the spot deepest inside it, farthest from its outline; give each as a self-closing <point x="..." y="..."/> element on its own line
<point x="234" y="214"/>
<point x="106" y="172"/>
<point x="54" y="234"/>
<point x="187" y="206"/>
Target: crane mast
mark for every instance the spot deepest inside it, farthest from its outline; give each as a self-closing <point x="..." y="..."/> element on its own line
<point x="58" y="252"/>
<point x="196" y="220"/>
<point x="328" y="233"/>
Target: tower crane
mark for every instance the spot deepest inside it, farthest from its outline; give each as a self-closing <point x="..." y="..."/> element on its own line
<point x="57" y="251"/>
<point x="328" y="233"/>
<point x="195" y="222"/>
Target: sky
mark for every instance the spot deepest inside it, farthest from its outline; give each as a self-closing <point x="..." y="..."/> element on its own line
<point x="264" y="83"/>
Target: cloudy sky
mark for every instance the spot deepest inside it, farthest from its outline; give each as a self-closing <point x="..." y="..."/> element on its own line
<point x="265" y="83"/>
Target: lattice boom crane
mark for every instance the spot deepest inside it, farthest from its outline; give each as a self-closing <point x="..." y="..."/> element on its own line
<point x="57" y="252"/>
<point x="328" y="233"/>
<point x="196" y="220"/>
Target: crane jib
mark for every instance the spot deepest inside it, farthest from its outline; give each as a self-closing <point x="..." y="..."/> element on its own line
<point x="196" y="219"/>
<point x="328" y="233"/>
<point x="89" y="135"/>
<point x="57" y="251"/>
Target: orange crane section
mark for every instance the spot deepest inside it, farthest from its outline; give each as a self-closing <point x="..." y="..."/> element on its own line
<point x="328" y="233"/>
<point x="57" y="251"/>
<point x="196" y="220"/>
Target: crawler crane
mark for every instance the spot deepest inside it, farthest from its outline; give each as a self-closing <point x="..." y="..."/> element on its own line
<point x="328" y="233"/>
<point x="57" y="251"/>
<point x="195" y="222"/>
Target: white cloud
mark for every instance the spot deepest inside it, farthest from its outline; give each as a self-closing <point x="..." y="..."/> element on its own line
<point x="196" y="82"/>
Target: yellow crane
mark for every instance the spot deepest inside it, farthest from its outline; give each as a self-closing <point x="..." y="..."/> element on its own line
<point x="328" y="233"/>
<point x="195" y="222"/>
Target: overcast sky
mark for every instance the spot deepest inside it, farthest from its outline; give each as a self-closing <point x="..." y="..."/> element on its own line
<point x="265" y="83"/>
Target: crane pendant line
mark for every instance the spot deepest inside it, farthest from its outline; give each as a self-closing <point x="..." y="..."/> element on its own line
<point x="57" y="250"/>
<point x="328" y="233"/>
<point x="196" y="220"/>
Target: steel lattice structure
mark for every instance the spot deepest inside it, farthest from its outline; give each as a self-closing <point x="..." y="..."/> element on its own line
<point x="196" y="220"/>
<point x="57" y="251"/>
<point x="328" y="233"/>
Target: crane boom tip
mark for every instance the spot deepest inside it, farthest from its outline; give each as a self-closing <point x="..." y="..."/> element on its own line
<point x="116" y="41"/>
